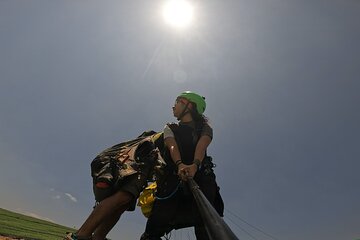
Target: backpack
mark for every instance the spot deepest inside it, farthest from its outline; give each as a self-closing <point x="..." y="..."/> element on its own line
<point x="124" y="159"/>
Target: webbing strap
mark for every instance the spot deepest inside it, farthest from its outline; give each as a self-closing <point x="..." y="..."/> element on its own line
<point x="170" y="195"/>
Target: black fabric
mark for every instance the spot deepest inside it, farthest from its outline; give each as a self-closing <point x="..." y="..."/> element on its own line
<point x="186" y="139"/>
<point x="180" y="210"/>
<point x="102" y="193"/>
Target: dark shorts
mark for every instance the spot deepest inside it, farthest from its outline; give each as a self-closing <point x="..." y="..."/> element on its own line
<point x="133" y="184"/>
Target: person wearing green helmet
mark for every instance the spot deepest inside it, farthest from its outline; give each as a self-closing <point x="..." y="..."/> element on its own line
<point x="193" y="104"/>
<point x="188" y="109"/>
<point x="184" y="150"/>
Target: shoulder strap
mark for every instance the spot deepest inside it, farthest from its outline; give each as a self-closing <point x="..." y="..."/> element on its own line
<point x="173" y="126"/>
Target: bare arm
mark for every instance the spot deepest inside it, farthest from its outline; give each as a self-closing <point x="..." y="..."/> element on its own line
<point x="171" y="144"/>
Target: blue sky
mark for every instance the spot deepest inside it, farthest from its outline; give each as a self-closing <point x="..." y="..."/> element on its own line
<point x="281" y="80"/>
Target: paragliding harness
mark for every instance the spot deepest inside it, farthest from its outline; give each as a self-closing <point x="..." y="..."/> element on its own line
<point x="115" y="164"/>
<point x="167" y="183"/>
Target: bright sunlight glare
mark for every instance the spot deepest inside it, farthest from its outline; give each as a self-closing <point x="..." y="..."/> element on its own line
<point x="178" y="13"/>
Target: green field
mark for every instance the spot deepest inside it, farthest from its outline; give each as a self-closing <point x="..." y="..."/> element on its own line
<point x="18" y="225"/>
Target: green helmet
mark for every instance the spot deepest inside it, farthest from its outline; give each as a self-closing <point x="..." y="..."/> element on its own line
<point x="195" y="98"/>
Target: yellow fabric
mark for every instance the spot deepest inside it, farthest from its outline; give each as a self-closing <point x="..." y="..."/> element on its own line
<point x="146" y="199"/>
<point x="155" y="137"/>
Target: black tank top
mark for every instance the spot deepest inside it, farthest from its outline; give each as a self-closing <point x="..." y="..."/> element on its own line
<point x="186" y="139"/>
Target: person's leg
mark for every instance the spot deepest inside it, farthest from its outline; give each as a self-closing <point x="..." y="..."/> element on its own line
<point x="207" y="184"/>
<point x="200" y="232"/>
<point x="103" y="210"/>
<point x="106" y="225"/>
<point x="159" y="222"/>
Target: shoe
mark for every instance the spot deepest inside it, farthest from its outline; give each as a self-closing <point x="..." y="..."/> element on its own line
<point x="70" y="236"/>
<point x="73" y="236"/>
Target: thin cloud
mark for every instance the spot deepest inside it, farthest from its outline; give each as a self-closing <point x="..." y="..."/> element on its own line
<point x="55" y="194"/>
<point x="72" y="198"/>
<point x="56" y="197"/>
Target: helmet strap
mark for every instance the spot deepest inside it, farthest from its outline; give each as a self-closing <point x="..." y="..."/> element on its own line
<point x="184" y="112"/>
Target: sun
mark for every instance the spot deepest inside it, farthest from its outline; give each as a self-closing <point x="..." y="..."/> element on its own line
<point x="178" y="13"/>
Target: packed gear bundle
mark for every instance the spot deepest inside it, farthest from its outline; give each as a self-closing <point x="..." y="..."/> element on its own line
<point x="113" y="165"/>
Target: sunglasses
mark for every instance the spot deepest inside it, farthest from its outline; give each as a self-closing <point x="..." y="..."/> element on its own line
<point x="180" y="100"/>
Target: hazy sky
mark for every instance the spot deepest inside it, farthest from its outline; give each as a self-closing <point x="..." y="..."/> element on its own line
<point x="281" y="80"/>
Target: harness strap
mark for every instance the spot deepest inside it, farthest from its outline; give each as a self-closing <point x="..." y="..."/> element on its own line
<point x="184" y="111"/>
<point x="170" y="195"/>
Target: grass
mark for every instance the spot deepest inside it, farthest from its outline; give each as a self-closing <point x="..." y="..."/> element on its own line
<point x="21" y="226"/>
